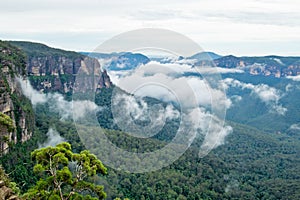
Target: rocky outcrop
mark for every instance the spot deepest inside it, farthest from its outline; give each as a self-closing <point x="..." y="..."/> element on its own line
<point x="55" y="70"/>
<point x="6" y="193"/>
<point x="16" y="118"/>
<point x="48" y="70"/>
<point x="275" y="66"/>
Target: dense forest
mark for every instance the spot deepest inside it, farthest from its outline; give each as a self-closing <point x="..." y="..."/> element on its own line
<point x="257" y="161"/>
<point x="251" y="165"/>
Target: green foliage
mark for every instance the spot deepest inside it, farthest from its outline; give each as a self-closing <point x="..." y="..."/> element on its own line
<point x="65" y="174"/>
<point x="18" y="162"/>
<point x="5" y="120"/>
<point x="37" y="49"/>
<point x="13" y="58"/>
<point x="7" y="182"/>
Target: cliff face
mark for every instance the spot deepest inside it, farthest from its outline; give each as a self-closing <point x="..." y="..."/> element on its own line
<point x="55" y="70"/>
<point x="267" y="66"/>
<point x="49" y="70"/>
<point x="16" y="118"/>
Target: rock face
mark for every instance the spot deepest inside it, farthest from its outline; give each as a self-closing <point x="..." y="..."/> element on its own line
<point x="5" y="191"/>
<point x="48" y="70"/>
<point x="16" y="118"/>
<point x="55" y="70"/>
<point x="267" y="66"/>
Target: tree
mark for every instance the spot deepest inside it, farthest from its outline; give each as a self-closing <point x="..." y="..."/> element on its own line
<point x="65" y="174"/>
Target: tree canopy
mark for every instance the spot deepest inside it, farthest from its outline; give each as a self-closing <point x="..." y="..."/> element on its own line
<point x="65" y="175"/>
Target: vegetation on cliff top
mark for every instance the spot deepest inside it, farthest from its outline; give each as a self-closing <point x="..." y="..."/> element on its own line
<point x="38" y="49"/>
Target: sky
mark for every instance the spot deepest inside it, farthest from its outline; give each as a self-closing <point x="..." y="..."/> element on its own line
<point x="242" y="28"/>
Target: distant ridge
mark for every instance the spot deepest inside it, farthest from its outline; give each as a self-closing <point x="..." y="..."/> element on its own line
<point x="205" y="56"/>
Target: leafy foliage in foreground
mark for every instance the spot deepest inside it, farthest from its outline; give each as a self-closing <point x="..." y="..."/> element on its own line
<point x="65" y="174"/>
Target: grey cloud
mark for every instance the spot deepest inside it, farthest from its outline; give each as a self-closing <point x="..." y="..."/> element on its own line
<point x="272" y="18"/>
<point x="163" y="14"/>
<point x="249" y="17"/>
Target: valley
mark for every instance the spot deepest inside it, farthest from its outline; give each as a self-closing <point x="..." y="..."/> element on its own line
<point x="257" y="156"/>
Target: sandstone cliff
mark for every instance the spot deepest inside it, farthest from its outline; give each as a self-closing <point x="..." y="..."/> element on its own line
<point x="275" y="66"/>
<point x="55" y="70"/>
<point x="16" y="118"/>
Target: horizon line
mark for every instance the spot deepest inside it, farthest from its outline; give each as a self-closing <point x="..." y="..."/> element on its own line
<point x="89" y="51"/>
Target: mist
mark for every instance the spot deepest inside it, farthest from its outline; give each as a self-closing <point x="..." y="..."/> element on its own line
<point x="127" y="110"/>
<point x="269" y="95"/>
<point x="294" y="78"/>
<point x="202" y="105"/>
<point x="53" y="138"/>
<point x="67" y="110"/>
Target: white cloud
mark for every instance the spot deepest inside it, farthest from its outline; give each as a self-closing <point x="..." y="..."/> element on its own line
<point x="294" y="78"/>
<point x="203" y="106"/>
<point x="219" y="70"/>
<point x="289" y="87"/>
<point x="65" y="109"/>
<point x="295" y="127"/>
<point x="269" y="95"/>
<point x="129" y="110"/>
<point x="170" y="69"/>
<point x="35" y="96"/>
<point x="236" y="98"/>
<point x="53" y="139"/>
<point x="215" y="132"/>
<point x="165" y="82"/>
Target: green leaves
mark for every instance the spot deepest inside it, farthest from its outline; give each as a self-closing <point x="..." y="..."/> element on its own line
<point x="64" y="175"/>
<point x="61" y="179"/>
<point x="38" y="168"/>
<point x="7" y="121"/>
<point x="89" y="163"/>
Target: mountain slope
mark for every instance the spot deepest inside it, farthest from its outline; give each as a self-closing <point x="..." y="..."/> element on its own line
<point x="16" y="114"/>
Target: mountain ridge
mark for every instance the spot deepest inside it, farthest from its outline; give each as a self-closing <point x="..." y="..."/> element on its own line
<point x="271" y="65"/>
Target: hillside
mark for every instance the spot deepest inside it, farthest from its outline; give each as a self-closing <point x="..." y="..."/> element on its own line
<point x="16" y="114"/>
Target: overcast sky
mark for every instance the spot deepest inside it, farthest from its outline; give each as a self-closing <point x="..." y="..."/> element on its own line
<point x="239" y="27"/>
